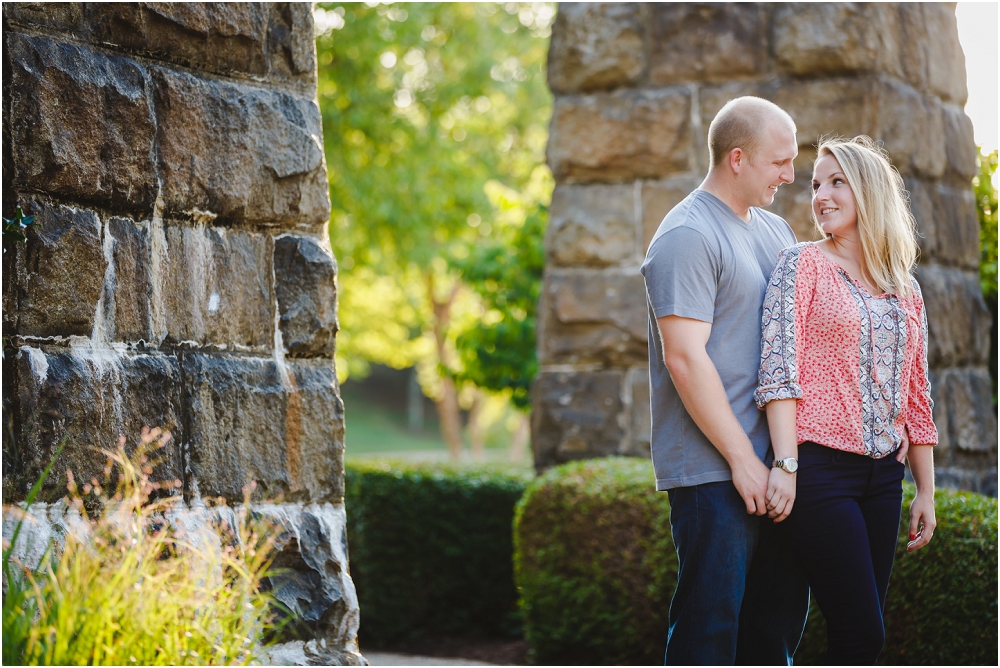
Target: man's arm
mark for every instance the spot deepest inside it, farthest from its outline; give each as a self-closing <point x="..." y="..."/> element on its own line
<point x="700" y="389"/>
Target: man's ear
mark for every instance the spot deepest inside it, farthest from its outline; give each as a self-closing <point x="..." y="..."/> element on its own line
<point x="736" y="159"/>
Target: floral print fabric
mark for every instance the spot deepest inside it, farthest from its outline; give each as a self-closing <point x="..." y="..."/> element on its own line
<point x="856" y="362"/>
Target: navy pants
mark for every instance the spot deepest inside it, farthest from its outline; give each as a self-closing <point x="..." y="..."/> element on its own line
<point x="740" y="597"/>
<point x="843" y="527"/>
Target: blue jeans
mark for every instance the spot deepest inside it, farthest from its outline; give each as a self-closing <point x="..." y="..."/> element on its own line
<point x="740" y="596"/>
<point x="843" y="527"/>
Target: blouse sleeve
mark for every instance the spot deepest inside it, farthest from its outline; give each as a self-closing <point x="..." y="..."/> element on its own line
<point x="786" y="302"/>
<point x="919" y="405"/>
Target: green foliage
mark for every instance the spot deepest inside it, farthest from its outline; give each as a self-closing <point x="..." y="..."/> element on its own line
<point x="986" y="202"/>
<point x="14" y="228"/>
<point x="594" y="563"/>
<point x="498" y="354"/>
<point x="431" y="548"/>
<point x="596" y="569"/>
<point x="124" y="588"/>
<point x="423" y="105"/>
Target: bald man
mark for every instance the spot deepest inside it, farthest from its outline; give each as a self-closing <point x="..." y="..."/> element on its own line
<point x="706" y="271"/>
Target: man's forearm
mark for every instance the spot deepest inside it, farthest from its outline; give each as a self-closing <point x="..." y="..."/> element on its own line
<point x="704" y="397"/>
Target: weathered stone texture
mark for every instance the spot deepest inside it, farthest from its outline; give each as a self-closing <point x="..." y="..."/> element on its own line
<point x="706" y="42"/>
<point x="592" y="225"/>
<point x="576" y="416"/>
<point x="130" y="292"/>
<point x="239" y="154"/>
<point x="260" y="40"/>
<point x="307" y="297"/>
<point x="593" y="317"/>
<point x="597" y="46"/>
<point x="636" y="89"/>
<point x="81" y="126"/>
<point x="86" y="398"/>
<point x="252" y="419"/>
<point x="218" y="288"/>
<point x="621" y="136"/>
<point x="59" y="272"/>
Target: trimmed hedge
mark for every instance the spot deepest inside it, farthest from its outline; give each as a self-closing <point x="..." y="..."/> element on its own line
<point x="596" y="568"/>
<point x="430" y="548"/>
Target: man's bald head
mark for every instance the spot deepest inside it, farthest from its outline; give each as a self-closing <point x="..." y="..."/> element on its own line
<point x="743" y="123"/>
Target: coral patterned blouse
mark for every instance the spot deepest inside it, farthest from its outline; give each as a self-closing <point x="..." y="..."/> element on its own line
<point x="857" y="363"/>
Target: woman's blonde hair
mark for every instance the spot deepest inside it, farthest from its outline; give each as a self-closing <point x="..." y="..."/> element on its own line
<point x="887" y="230"/>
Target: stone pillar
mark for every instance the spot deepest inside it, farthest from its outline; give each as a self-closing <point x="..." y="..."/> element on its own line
<point x="636" y="87"/>
<point x="180" y="272"/>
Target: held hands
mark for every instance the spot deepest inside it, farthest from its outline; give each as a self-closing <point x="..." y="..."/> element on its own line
<point x="922" y="521"/>
<point x="780" y="494"/>
<point x="750" y="481"/>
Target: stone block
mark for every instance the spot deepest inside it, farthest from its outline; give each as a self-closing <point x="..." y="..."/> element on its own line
<point x="589" y="316"/>
<point x="704" y="42"/>
<point x="931" y="55"/>
<point x="591" y="225"/>
<point x="829" y="38"/>
<point x="59" y="272"/>
<point x="254" y="419"/>
<point x="640" y="424"/>
<point x="305" y="275"/>
<point x="960" y="142"/>
<point x="130" y="292"/>
<point x="87" y="398"/>
<point x="597" y="46"/>
<point x="291" y="42"/>
<point x="81" y="125"/>
<point x="827" y="107"/>
<point x="913" y="129"/>
<point x="657" y="199"/>
<point x="621" y="136"/>
<point x="576" y="415"/>
<point x="969" y="426"/>
<point x="957" y="225"/>
<point x="922" y="196"/>
<point x="54" y="15"/>
<point x="957" y="318"/>
<point x="217" y="288"/>
<point x="235" y="154"/>
<point x="312" y="578"/>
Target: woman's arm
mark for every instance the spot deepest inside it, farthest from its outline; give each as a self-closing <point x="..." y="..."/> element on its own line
<point x="922" y="521"/>
<point x="784" y="441"/>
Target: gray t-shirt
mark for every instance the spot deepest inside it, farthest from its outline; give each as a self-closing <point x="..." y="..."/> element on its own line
<point x="706" y="263"/>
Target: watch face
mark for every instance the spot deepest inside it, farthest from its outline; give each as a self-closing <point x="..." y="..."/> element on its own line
<point x="791" y="465"/>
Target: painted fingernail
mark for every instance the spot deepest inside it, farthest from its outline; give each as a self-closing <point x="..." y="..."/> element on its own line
<point x="913" y="536"/>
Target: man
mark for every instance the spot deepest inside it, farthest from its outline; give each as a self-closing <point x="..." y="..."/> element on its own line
<point x="706" y="272"/>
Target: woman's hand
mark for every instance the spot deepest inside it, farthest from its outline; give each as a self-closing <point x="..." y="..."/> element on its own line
<point x="922" y="521"/>
<point x="780" y="494"/>
<point x="904" y="445"/>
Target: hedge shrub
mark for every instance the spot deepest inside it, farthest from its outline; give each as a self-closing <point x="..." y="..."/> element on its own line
<point x="596" y="568"/>
<point x="430" y="548"/>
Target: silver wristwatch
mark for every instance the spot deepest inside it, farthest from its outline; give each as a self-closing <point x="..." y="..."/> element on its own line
<point x="790" y="464"/>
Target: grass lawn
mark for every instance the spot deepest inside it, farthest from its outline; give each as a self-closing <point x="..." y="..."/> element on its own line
<point x="374" y="430"/>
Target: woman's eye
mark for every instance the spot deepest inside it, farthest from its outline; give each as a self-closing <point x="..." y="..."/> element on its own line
<point x="815" y="186"/>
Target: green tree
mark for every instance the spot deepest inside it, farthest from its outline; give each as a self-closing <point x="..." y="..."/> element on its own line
<point x="423" y="105"/>
<point x="986" y="201"/>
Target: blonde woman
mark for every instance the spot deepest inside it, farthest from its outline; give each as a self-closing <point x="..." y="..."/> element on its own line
<point x="843" y="379"/>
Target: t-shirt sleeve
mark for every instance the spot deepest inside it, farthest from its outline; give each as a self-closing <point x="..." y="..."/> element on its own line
<point x="682" y="275"/>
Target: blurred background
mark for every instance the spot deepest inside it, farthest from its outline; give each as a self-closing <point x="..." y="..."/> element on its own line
<point x="436" y="121"/>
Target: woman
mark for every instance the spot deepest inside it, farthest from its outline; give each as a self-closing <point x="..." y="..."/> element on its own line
<point x="843" y="378"/>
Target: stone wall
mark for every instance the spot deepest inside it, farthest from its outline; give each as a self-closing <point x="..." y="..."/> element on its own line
<point x="180" y="274"/>
<point x="636" y="87"/>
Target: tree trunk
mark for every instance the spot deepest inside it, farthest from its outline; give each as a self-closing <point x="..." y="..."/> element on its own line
<point x="475" y="430"/>
<point x="447" y="404"/>
<point x="522" y="435"/>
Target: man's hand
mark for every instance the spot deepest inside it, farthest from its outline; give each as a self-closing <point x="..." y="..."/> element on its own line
<point x="780" y="494"/>
<point x="750" y="480"/>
